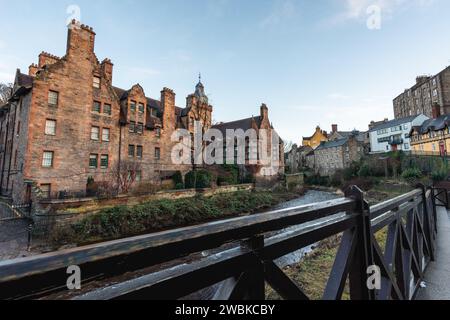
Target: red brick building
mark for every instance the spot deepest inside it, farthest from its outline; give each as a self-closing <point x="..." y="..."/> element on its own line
<point x="66" y="122"/>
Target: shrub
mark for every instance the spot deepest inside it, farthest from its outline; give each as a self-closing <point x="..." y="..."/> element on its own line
<point x="365" y="171"/>
<point x="412" y="175"/>
<point x="337" y="178"/>
<point x="178" y="179"/>
<point x="189" y="180"/>
<point x="440" y="174"/>
<point x="179" y="186"/>
<point x="199" y="179"/>
<point x="204" y="179"/>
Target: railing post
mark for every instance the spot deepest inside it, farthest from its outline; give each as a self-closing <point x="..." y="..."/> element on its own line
<point x="257" y="284"/>
<point x="427" y="221"/>
<point x="364" y="257"/>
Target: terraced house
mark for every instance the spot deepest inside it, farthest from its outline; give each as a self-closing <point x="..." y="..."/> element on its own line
<point x="67" y="123"/>
<point x="432" y="138"/>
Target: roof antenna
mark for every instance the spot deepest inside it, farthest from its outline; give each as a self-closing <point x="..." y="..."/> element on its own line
<point x="199" y="77"/>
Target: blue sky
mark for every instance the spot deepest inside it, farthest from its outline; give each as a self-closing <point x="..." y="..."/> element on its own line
<point x="312" y="62"/>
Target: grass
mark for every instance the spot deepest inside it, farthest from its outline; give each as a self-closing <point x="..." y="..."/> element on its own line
<point x="125" y="221"/>
<point x="313" y="272"/>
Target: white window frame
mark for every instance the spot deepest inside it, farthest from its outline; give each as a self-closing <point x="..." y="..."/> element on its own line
<point x="96" y="82"/>
<point x="95" y="133"/>
<point x="47" y="159"/>
<point x="106" y="134"/>
<point x="50" y="127"/>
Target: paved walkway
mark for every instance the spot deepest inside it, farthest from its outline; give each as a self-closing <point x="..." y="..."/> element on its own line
<point x="437" y="276"/>
<point x="13" y="239"/>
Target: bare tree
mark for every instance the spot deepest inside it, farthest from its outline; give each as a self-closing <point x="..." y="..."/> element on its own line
<point x="6" y="90"/>
<point x="288" y="146"/>
<point x="125" y="175"/>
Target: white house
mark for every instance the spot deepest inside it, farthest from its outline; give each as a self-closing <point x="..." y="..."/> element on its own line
<point x="394" y="135"/>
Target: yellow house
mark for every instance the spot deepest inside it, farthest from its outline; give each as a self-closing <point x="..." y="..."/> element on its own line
<point x="432" y="137"/>
<point x="317" y="138"/>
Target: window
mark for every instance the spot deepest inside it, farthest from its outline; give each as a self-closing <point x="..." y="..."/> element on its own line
<point x="153" y="113"/>
<point x="406" y="146"/>
<point x="435" y="93"/>
<point x="140" y="128"/>
<point x="131" y="150"/>
<point x="132" y="106"/>
<point x="50" y="127"/>
<point x="132" y="128"/>
<point x="104" y="161"/>
<point x="96" y="107"/>
<point x="139" y="151"/>
<point x="95" y="133"/>
<point x="47" y="159"/>
<point x="96" y="82"/>
<point x="46" y="190"/>
<point x="157" y="153"/>
<point x="93" y="161"/>
<point x="141" y="108"/>
<point x="138" y="176"/>
<point x="18" y="128"/>
<point x="107" y="109"/>
<point x="105" y="135"/>
<point x="53" y="98"/>
<point x="434" y="82"/>
<point x="158" y="132"/>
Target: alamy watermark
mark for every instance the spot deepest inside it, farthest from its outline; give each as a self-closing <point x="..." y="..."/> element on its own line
<point x="230" y="146"/>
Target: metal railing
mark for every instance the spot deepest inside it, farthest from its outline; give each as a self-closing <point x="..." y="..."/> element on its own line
<point x="167" y="265"/>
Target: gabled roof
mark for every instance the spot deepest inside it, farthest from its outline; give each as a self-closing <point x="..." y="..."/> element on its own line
<point x="434" y="124"/>
<point x="243" y="124"/>
<point x="393" y="123"/>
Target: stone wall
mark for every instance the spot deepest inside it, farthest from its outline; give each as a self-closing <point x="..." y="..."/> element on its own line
<point x="59" y="212"/>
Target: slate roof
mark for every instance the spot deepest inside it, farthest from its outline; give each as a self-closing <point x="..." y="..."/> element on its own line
<point x="332" y="144"/>
<point x="243" y="124"/>
<point x="434" y="124"/>
<point x="393" y="123"/>
<point x="24" y="80"/>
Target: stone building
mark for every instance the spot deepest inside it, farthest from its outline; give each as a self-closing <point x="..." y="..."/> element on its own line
<point x="296" y="158"/>
<point x="420" y="98"/>
<point x="335" y="155"/>
<point x="262" y="172"/>
<point x="67" y="123"/>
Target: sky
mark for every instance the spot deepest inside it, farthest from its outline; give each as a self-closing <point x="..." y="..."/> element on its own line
<point x="312" y="62"/>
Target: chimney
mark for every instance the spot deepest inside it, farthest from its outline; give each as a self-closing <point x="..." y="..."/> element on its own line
<point x="46" y="58"/>
<point x="33" y="69"/>
<point x="334" y="128"/>
<point x="436" y="111"/>
<point x="168" y="105"/>
<point x="107" y="68"/>
<point x="264" y="112"/>
<point x="80" y="39"/>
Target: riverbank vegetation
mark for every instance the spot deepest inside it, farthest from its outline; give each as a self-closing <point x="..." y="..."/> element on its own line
<point x="312" y="273"/>
<point x="125" y="221"/>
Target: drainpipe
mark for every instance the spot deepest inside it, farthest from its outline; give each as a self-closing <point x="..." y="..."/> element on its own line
<point x="12" y="144"/>
<point x="120" y="154"/>
<point x="4" y="152"/>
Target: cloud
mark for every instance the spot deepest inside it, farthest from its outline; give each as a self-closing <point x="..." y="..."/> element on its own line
<point x="282" y="11"/>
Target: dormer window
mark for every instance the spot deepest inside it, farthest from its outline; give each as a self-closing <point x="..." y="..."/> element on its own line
<point x="153" y="113"/>
<point x="96" y="82"/>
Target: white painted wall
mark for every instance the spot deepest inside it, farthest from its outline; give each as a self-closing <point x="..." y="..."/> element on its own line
<point x="383" y="147"/>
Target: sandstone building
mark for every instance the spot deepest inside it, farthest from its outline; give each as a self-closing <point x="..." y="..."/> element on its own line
<point x="67" y="123"/>
<point x="427" y="92"/>
<point x="335" y="155"/>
